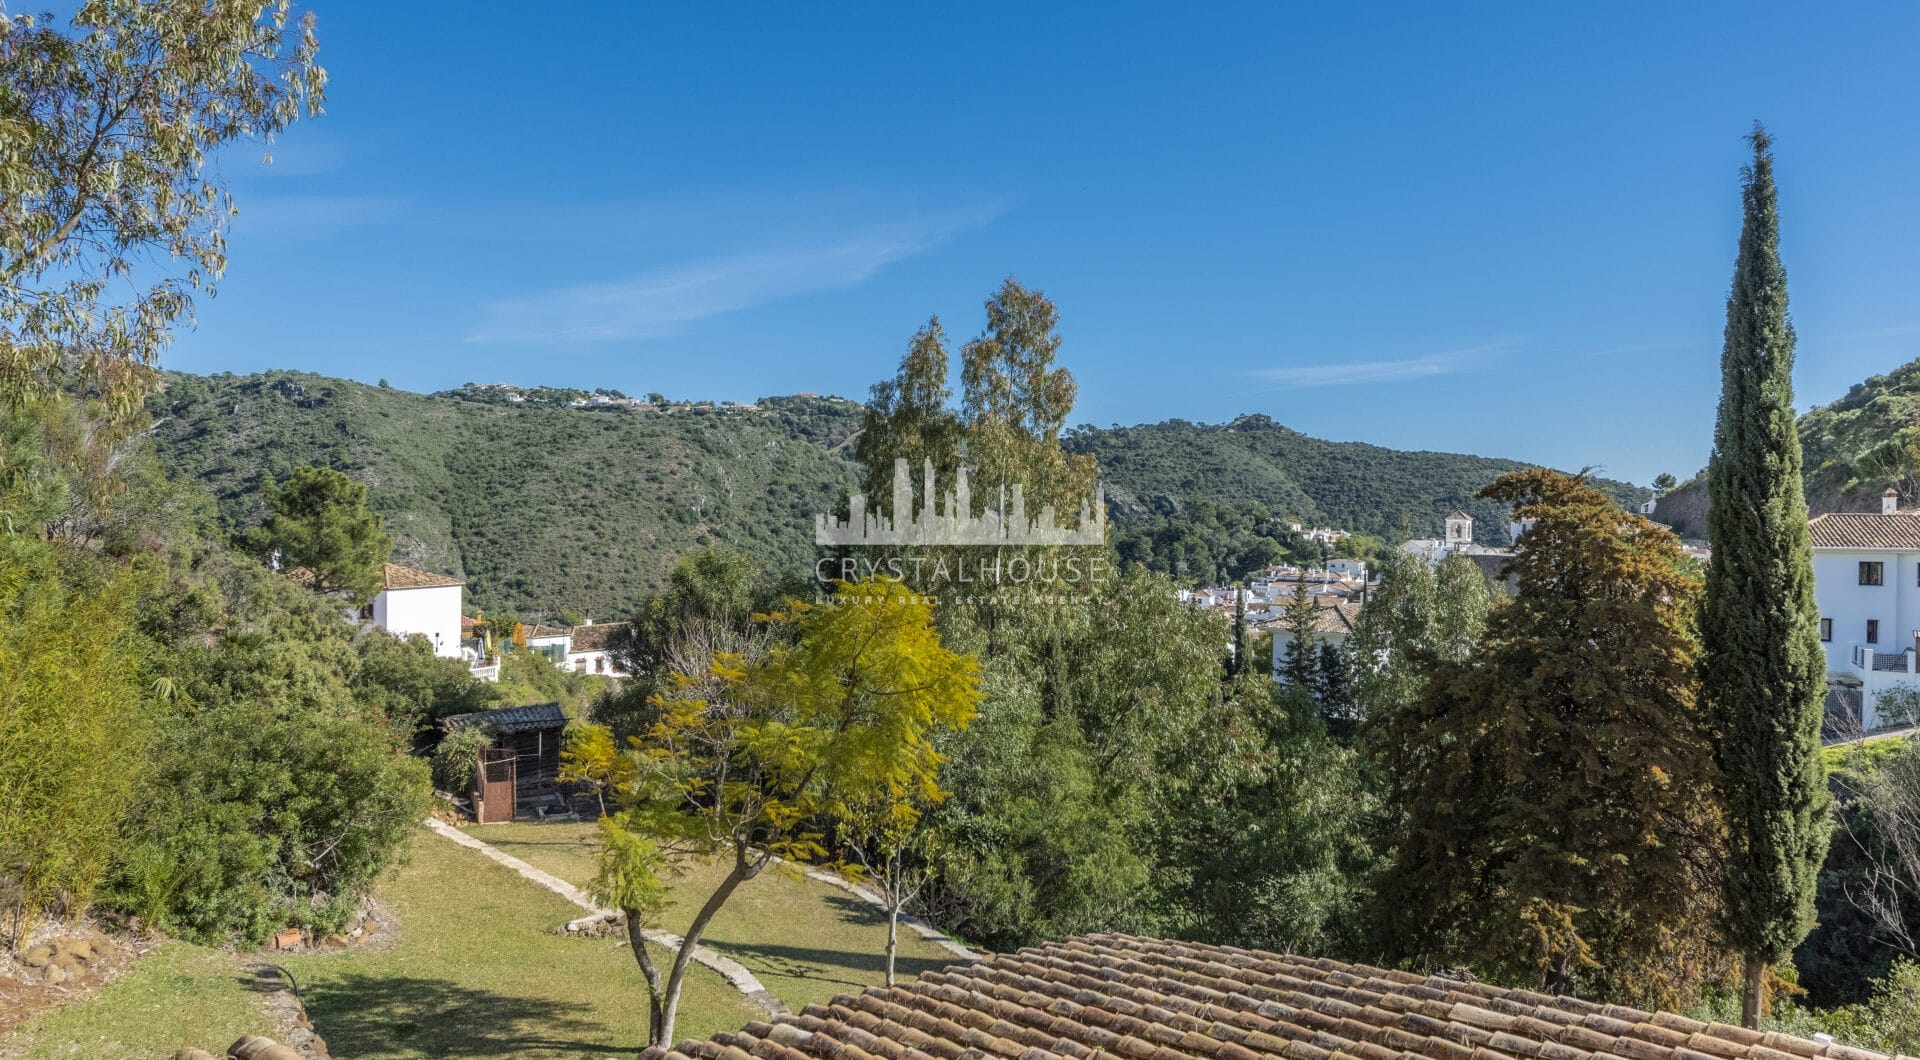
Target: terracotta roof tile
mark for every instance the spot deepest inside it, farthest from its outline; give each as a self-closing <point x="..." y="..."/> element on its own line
<point x="595" y="636"/>
<point x="1146" y="999"/>
<point x="1866" y="530"/>
<point x="399" y="577"/>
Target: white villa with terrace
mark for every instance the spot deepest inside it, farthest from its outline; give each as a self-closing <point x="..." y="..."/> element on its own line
<point x="1866" y="580"/>
<point x="419" y="602"/>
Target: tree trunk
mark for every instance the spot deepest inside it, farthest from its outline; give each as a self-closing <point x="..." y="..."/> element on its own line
<point x="893" y="937"/>
<point x="656" y="1000"/>
<point x="683" y="960"/>
<point x="1560" y="980"/>
<point x="1753" y="993"/>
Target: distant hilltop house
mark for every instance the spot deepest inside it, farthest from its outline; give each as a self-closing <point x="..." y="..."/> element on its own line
<point x="585" y="648"/>
<point x="1866" y="581"/>
<point x="1321" y="534"/>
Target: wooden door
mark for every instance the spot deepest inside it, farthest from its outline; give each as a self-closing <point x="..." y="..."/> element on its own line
<point x="494" y="785"/>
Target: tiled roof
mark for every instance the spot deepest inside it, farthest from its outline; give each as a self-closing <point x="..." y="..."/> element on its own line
<point x="1458" y="514"/>
<point x="539" y="632"/>
<point x="1141" y="999"/>
<point x="1335" y="616"/>
<point x="596" y="636"/>
<point x="399" y="577"/>
<point x="1866" y="530"/>
<point x="508" y="720"/>
<point x="1331" y="614"/>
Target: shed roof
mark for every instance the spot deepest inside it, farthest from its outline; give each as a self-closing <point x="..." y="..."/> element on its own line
<point x="510" y="720"/>
<point x="1144" y="999"/>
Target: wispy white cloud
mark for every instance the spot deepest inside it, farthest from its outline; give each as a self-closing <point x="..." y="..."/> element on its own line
<point x="1355" y="373"/>
<point x="663" y="301"/>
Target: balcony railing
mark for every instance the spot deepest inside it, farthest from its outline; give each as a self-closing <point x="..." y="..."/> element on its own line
<point x="1893" y="662"/>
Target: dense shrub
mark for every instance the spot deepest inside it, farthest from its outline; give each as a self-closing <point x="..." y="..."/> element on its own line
<point x="412" y="687"/>
<point x="256" y="817"/>
<point x="72" y="728"/>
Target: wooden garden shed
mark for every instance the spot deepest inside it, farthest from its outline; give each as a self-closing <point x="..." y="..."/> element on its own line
<point x="523" y="763"/>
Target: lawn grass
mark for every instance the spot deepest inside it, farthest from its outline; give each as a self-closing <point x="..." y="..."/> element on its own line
<point x="479" y="971"/>
<point x="804" y="939"/>
<point x="179" y="994"/>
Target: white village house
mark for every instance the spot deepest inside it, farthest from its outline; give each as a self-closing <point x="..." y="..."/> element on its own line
<point x="1333" y="622"/>
<point x="416" y="601"/>
<point x="585" y="648"/>
<point x="1866" y="581"/>
<point x="420" y="603"/>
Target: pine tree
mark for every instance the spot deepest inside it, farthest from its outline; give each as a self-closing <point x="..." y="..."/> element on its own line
<point x="318" y="520"/>
<point x="1302" y="618"/>
<point x="1548" y="785"/>
<point x="1764" y="672"/>
<point x="1331" y="689"/>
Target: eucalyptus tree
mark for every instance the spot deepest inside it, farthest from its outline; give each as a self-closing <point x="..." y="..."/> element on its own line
<point x="110" y="123"/>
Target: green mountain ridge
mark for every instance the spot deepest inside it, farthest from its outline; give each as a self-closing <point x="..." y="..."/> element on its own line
<point x="1853" y="449"/>
<point x="1348" y="485"/>
<point x="543" y="507"/>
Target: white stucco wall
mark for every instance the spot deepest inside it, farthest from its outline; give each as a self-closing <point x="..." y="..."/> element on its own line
<point x="593" y="662"/>
<point x="1841" y="597"/>
<point x="432" y="612"/>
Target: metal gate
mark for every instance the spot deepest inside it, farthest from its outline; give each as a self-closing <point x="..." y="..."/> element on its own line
<point x="494" y="784"/>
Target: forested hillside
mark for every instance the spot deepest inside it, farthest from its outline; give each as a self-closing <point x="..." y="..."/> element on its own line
<point x="1854" y="449"/>
<point x="543" y="507"/>
<point x="1350" y="485"/>
<point x="539" y="508"/>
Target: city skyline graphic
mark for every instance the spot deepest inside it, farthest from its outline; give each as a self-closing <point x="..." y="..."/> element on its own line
<point x="1003" y="524"/>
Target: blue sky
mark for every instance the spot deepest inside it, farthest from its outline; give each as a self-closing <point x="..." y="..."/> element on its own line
<point x="1504" y="229"/>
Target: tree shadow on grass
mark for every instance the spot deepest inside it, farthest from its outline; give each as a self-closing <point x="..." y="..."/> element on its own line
<point x="857" y="910"/>
<point x="854" y="969"/>
<point x="375" y="1016"/>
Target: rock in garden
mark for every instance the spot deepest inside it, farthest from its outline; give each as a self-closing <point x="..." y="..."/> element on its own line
<point x="38" y="957"/>
<point x="80" y="948"/>
<point x="56" y="975"/>
<point x="252" y="1047"/>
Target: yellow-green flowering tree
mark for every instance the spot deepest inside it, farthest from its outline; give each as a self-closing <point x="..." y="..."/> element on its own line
<point x="746" y="758"/>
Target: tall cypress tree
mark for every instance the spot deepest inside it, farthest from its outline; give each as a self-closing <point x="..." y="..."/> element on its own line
<point x="1764" y="672"/>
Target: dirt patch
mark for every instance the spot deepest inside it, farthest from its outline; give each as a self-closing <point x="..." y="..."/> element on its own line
<point x="61" y="964"/>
